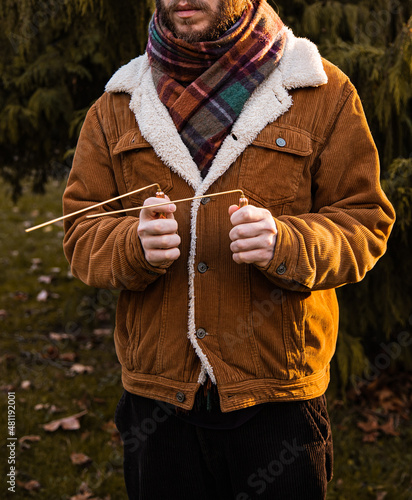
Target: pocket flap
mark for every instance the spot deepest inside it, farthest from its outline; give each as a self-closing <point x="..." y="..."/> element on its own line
<point x="284" y="139"/>
<point x="132" y="139"/>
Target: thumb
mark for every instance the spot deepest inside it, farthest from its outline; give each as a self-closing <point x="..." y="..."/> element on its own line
<point x="154" y="212"/>
<point x="233" y="209"/>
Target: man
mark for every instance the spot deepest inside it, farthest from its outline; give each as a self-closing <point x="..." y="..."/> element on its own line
<point x="227" y="319"/>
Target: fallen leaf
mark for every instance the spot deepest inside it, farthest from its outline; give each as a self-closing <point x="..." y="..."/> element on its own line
<point x="369" y="426"/>
<point x="45" y="279"/>
<point x="103" y="315"/>
<point x="21" y="296"/>
<point x="80" y="459"/>
<point x="49" y="407"/>
<point x="25" y="440"/>
<point x="84" y="493"/>
<point x="42" y="296"/>
<point x="82" y="496"/>
<point x="41" y="406"/>
<point x="32" y="438"/>
<point x="7" y="388"/>
<point x="85" y="436"/>
<point x="3" y="313"/>
<point x="35" y="263"/>
<point x="50" y="352"/>
<point x="389" y="427"/>
<point x="102" y="332"/>
<point x="71" y="423"/>
<point x="78" y="368"/>
<point x="371" y="437"/>
<point x="30" y="485"/>
<point x="61" y="336"/>
<point x="393" y="404"/>
<point x="109" y="426"/>
<point x="381" y="495"/>
<point x="68" y="356"/>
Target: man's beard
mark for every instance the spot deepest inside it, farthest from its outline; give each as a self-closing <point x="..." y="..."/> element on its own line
<point x="229" y="11"/>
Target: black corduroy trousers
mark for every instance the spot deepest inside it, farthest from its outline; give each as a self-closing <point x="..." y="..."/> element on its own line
<point x="284" y="452"/>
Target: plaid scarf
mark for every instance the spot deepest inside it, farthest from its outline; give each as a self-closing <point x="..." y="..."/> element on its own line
<point x="205" y="85"/>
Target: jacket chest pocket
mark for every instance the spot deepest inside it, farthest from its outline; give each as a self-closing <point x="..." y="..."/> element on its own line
<point x="141" y="167"/>
<point x="272" y="165"/>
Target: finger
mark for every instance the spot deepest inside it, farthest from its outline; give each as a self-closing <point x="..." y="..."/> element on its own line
<point x="233" y="209"/>
<point x="152" y="213"/>
<point x="160" y="257"/>
<point x="251" y="214"/>
<point x="248" y="213"/>
<point x="260" y="257"/>
<point x="155" y="227"/>
<point x="248" y="230"/>
<point x="162" y="242"/>
<point x="249" y="244"/>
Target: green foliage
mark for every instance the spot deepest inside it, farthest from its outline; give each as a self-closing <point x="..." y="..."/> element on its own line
<point x="350" y="359"/>
<point x="56" y="57"/>
<point x="398" y="185"/>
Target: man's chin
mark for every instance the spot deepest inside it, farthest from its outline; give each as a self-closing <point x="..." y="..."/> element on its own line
<point x="189" y="33"/>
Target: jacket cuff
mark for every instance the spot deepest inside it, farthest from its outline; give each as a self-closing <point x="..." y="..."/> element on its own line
<point x="281" y="270"/>
<point x="145" y="272"/>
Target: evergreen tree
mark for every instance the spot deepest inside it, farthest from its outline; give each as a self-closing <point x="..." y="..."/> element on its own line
<point x="55" y="57"/>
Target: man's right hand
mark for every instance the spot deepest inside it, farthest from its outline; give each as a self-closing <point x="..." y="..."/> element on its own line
<point x="159" y="236"/>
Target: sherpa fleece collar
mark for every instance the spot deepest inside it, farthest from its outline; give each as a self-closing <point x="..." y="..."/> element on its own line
<point x="300" y="66"/>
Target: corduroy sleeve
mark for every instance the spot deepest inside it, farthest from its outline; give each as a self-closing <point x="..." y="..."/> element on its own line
<point x="351" y="218"/>
<point x="103" y="252"/>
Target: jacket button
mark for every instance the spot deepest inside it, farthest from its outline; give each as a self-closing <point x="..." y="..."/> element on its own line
<point x="180" y="396"/>
<point x="280" y="141"/>
<point x="281" y="269"/>
<point x="200" y="333"/>
<point x="203" y="201"/>
<point x="202" y="267"/>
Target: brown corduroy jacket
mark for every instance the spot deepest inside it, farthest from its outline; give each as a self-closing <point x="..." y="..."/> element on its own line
<point x="301" y="149"/>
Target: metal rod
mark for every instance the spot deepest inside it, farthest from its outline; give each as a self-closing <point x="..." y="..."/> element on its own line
<point x="92" y="206"/>
<point x="102" y="214"/>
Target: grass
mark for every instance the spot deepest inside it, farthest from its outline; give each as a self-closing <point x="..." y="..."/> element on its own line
<point x="37" y="366"/>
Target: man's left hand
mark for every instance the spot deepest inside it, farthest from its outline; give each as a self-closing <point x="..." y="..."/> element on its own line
<point x="253" y="235"/>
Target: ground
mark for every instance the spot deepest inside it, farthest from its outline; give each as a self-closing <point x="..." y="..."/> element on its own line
<point x="57" y="356"/>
